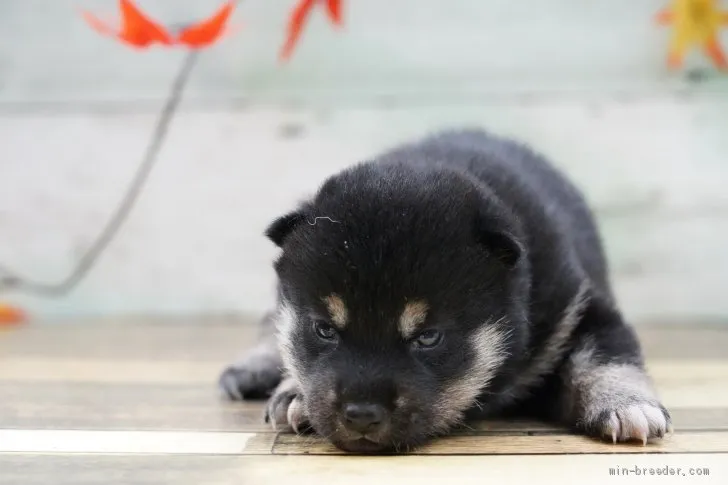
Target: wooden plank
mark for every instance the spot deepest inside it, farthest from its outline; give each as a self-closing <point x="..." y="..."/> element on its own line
<point x="135" y="441"/>
<point x="140" y="442"/>
<point x="124" y="407"/>
<point x="44" y="408"/>
<point x="670" y="375"/>
<point x="240" y="443"/>
<point x="691" y="383"/>
<point x="34" y="469"/>
<point x="191" y="338"/>
<point x="217" y="341"/>
<point x="127" y="390"/>
<point x="684" y="419"/>
<point x="53" y="405"/>
<point x="129" y="406"/>
<point x="467" y="470"/>
<point x="260" y="444"/>
<point x="536" y="443"/>
<point x="360" y="470"/>
<point x="685" y="341"/>
<point x="108" y="371"/>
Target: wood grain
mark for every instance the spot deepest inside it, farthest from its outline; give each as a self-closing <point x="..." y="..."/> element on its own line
<point x="153" y="374"/>
<point x="55" y="405"/>
<point x="194" y="407"/>
<point x="127" y="470"/>
<point x="536" y="443"/>
<point x="469" y="469"/>
<point x="220" y="340"/>
<point x="86" y="404"/>
<point x="191" y="339"/>
<point x="360" y="470"/>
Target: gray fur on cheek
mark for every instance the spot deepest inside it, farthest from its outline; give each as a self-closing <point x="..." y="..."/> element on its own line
<point x="285" y="320"/>
<point x="488" y="346"/>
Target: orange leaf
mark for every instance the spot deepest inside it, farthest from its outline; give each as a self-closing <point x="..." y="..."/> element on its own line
<point x="298" y="18"/>
<point x="139" y="30"/>
<point x="209" y="30"/>
<point x="714" y="50"/>
<point x="10" y="315"/>
<point x="333" y="7"/>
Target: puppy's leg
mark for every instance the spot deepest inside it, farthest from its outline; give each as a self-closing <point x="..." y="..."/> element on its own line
<point x="259" y="370"/>
<point x="285" y="409"/>
<point x="605" y="391"/>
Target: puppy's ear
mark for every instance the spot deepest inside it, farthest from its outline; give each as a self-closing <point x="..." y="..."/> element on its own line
<point x="279" y="229"/>
<point x="497" y="229"/>
<point x="503" y="245"/>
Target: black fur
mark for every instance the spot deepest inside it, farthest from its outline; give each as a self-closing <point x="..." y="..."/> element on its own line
<point x="481" y="228"/>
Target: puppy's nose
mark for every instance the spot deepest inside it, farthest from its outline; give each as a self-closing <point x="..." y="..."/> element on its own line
<point x="364" y="417"/>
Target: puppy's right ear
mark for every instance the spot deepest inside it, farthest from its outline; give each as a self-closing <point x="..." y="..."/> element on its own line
<point x="279" y="229"/>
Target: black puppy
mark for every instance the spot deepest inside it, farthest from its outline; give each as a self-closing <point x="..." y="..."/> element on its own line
<point x="454" y="278"/>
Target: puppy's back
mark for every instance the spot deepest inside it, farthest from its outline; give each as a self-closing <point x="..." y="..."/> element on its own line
<point x="552" y="210"/>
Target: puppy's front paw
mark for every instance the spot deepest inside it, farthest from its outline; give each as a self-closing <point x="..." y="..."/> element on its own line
<point x="641" y="421"/>
<point x="254" y="377"/>
<point x="285" y="409"/>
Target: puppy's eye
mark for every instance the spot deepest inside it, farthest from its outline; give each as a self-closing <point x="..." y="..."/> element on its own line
<point x="324" y="330"/>
<point x="428" y="339"/>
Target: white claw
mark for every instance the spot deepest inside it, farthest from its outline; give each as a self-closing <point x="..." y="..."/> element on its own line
<point x="637" y="422"/>
<point x="295" y="414"/>
<point x="294" y="426"/>
<point x="614" y="426"/>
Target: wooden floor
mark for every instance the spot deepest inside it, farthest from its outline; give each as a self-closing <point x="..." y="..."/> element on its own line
<point x="136" y="403"/>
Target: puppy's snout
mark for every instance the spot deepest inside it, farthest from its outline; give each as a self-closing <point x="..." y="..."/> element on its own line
<point x="364" y="417"/>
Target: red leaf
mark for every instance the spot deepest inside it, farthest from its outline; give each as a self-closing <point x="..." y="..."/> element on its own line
<point x="333" y="7"/>
<point x="209" y="30"/>
<point x="296" y="21"/>
<point x="139" y="30"/>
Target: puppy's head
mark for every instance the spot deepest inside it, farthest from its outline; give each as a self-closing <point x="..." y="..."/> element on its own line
<point x="401" y="302"/>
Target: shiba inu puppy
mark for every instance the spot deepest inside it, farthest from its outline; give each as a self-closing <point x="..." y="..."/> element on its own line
<point x="458" y="277"/>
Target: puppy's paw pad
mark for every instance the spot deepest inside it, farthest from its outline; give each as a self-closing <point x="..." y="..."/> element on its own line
<point x="636" y="422"/>
<point x="245" y="382"/>
<point x="285" y="410"/>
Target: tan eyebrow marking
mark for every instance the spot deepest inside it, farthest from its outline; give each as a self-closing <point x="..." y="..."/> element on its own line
<point x="412" y="317"/>
<point x="337" y="309"/>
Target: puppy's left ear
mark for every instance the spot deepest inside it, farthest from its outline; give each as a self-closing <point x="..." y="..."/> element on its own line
<point x="503" y="245"/>
<point x="497" y="229"/>
<point x="279" y="229"/>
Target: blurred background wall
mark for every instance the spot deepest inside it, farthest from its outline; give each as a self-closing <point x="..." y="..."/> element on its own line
<point x="583" y="81"/>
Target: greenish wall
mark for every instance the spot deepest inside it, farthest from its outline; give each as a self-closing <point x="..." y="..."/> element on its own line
<point x="583" y="81"/>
